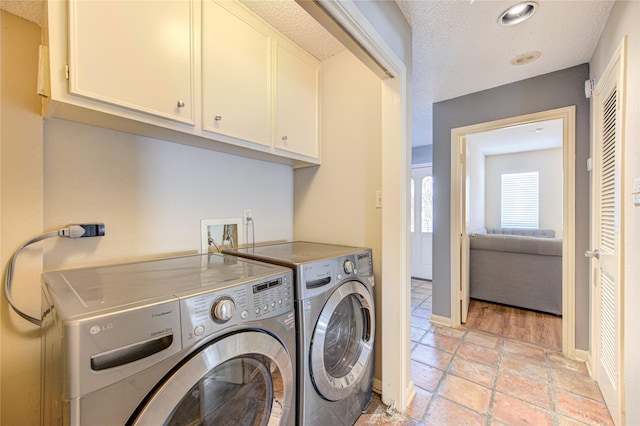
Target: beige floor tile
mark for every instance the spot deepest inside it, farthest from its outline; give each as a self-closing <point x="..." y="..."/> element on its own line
<point x="580" y="408"/>
<point x="418" y="406"/>
<point x="417" y="334"/>
<point x="576" y="383"/>
<point x="524" y="350"/>
<point x="440" y="341"/>
<point x="521" y="367"/>
<point x="444" y="412"/>
<point x="513" y="411"/>
<point x="421" y="312"/>
<point x="482" y="374"/>
<point x="556" y="359"/>
<point x="467" y="393"/>
<point x="425" y="376"/>
<point x="431" y="356"/>
<point x="487" y="340"/>
<point x="420" y="322"/>
<point x="568" y="421"/>
<point x="479" y="353"/>
<point x="448" y="331"/>
<point x="523" y="388"/>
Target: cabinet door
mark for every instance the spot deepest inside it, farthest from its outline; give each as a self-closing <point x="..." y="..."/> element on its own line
<point x="236" y="74"/>
<point x="296" y="102"/>
<point x="135" y="54"/>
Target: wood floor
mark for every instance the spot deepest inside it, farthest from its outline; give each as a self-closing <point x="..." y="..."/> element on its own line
<point x="521" y="324"/>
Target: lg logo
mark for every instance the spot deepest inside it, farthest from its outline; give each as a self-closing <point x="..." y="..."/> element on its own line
<point x="97" y="328"/>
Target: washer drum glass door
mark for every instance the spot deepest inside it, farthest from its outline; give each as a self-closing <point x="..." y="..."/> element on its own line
<point x="242" y="379"/>
<point x="343" y="341"/>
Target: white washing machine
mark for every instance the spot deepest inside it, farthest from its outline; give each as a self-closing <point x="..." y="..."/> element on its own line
<point x="336" y="323"/>
<point x="194" y="340"/>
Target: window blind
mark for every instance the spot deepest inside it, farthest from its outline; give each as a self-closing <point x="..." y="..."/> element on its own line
<point x="519" y="205"/>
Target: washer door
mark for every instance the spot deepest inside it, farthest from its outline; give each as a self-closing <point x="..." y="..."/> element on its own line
<point x="242" y="379"/>
<point x="342" y="341"/>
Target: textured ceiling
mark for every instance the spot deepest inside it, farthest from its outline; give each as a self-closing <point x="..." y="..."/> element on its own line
<point x="291" y="20"/>
<point x="31" y="10"/>
<point x="526" y="137"/>
<point x="458" y="48"/>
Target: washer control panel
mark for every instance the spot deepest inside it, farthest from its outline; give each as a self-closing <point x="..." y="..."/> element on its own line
<point x="317" y="276"/>
<point x="208" y="313"/>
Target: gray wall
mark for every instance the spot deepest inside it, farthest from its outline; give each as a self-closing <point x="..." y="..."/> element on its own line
<point x="422" y="154"/>
<point x="554" y="90"/>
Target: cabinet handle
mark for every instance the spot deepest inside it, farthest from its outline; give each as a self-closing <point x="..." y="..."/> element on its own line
<point x="217" y="117"/>
<point x="180" y="104"/>
<point x="284" y="138"/>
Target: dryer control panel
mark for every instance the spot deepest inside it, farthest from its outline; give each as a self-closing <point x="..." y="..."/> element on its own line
<point x="316" y="277"/>
<point x="208" y="313"/>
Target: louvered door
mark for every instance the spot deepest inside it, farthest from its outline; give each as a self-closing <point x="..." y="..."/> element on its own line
<point x="609" y="103"/>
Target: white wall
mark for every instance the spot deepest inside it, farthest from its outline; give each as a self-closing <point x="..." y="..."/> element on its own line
<point x="151" y="194"/>
<point x="475" y="187"/>
<point x="20" y="217"/>
<point x="624" y="19"/>
<point x="548" y="163"/>
<point x="335" y="203"/>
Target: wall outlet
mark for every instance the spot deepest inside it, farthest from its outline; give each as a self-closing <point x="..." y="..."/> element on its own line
<point x="246" y="214"/>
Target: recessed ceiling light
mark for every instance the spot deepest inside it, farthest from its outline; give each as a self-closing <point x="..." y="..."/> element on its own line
<point x="525" y="58"/>
<point x="517" y="13"/>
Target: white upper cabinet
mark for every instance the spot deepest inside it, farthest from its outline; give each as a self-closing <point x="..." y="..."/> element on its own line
<point x="236" y="73"/>
<point x="134" y="54"/>
<point x="201" y="72"/>
<point x="297" y="109"/>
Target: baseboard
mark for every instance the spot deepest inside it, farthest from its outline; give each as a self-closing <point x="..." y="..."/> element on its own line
<point x="438" y="320"/>
<point x="377" y="385"/>
<point x="410" y="393"/>
<point x="582" y="355"/>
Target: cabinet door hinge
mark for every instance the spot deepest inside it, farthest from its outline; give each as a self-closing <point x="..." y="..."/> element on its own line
<point x="66" y="72"/>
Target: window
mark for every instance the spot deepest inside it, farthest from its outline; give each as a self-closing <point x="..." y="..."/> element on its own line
<point x="519" y="205"/>
<point x="413" y="205"/>
<point x="427" y="204"/>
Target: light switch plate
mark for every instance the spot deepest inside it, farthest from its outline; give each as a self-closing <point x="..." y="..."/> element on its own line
<point x="378" y="199"/>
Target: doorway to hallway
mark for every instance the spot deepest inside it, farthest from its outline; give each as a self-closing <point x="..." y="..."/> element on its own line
<point x="421" y="222"/>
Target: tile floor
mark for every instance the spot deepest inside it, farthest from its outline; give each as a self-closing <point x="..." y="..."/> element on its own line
<point x="468" y="377"/>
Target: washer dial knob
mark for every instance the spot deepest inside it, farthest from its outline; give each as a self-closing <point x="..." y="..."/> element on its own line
<point x="348" y="266"/>
<point x="223" y="309"/>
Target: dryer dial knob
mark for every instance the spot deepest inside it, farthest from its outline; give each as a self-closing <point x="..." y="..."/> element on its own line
<point x="348" y="266"/>
<point x="223" y="309"/>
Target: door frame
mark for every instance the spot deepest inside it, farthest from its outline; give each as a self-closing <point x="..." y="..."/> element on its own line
<point x="458" y="157"/>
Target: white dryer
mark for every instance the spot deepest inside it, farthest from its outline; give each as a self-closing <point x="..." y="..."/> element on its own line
<point x="204" y="340"/>
<point x="336" y="323"/>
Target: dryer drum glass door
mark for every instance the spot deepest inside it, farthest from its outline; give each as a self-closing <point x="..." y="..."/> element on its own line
<point x="343" y="341"/>
<point x="243" y="379"/>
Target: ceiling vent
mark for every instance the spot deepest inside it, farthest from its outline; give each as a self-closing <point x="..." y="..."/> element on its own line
<point x="525" y="58"/>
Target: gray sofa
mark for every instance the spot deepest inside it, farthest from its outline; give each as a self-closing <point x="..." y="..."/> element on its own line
<point x="517" y="267"/>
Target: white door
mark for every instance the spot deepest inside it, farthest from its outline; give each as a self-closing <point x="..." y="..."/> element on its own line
<point x="421" y="222"/>
<point x="607" y="228"/>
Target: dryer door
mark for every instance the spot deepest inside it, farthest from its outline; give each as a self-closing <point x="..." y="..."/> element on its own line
<point x="242" y="379"/>
<point x="343" y="341"/>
